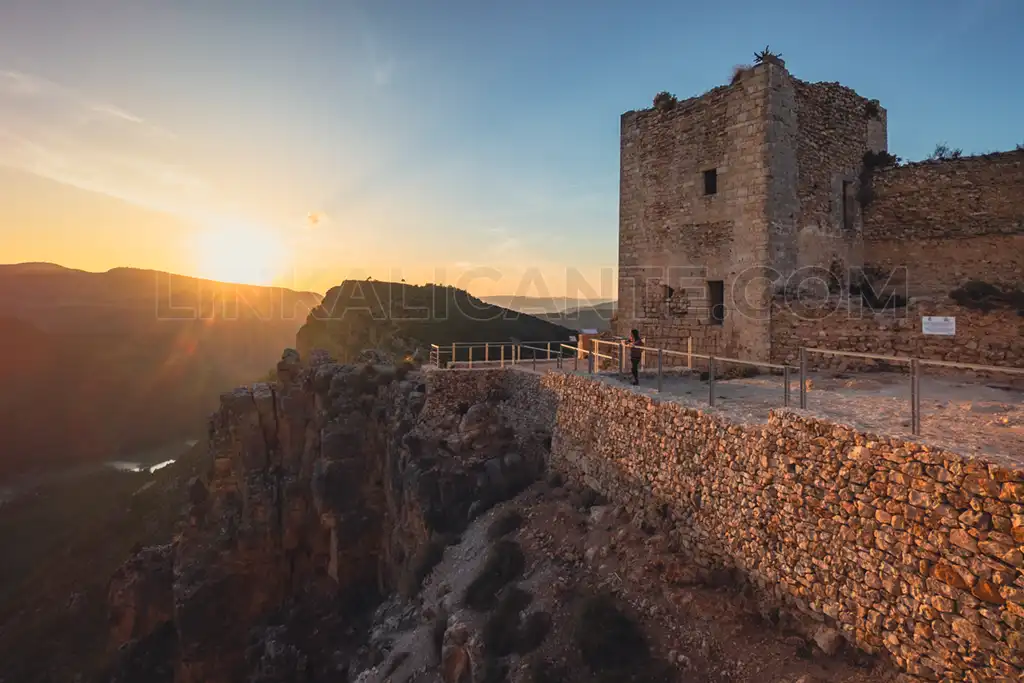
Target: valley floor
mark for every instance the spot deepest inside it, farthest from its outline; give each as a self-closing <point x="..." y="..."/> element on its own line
<point x="59" y="545"/>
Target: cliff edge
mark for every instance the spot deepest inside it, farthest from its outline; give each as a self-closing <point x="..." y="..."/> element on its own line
<point x="322" y="493"/>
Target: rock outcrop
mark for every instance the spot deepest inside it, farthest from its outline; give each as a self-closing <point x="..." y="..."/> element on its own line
<point x="323" y="492"/>
<point x="398" y="319"/>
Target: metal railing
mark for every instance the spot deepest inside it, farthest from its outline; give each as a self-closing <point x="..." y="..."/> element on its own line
<point x="613" y="353"/>
<point x="711" y="362"/>
<point x="500" y="354"/>
<point x="616" y="353"/>
<point x="915" y="374"/>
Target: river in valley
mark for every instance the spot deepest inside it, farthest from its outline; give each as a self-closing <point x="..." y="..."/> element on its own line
<point x="144" y="461"/>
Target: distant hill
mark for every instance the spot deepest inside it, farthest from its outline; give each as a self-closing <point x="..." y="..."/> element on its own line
<point x="99" y="365"/>
<point x="585" y="317"/>
<point x="538" y="305"/>
<point x="358" y="315"/>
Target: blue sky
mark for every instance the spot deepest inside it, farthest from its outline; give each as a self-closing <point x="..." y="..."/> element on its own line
<point x="433" y="135"/>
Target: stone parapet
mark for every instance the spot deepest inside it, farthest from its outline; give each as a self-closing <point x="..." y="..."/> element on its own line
<point x="902" y="548"/>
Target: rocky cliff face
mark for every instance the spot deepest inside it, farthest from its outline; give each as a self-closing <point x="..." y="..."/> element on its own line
<point x="374" y="524"/>
<point x="323" y="493"/>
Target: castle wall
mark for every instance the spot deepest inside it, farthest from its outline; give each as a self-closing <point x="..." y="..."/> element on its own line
<point x="935" y="266"/>
<point x="782" y="149"/>
<point x="791" y="214"/>
<point x="672" y="235"/>
<point x="900" y="547"/>
<point x="836" y="126"/>
<point x="947" y="222"/>
<point x="992" y="338"/>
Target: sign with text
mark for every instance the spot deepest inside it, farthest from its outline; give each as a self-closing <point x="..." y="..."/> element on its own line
<point x="938" y="324"/>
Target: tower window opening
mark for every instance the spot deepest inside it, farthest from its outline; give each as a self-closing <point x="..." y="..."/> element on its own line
<point x="711" y="181"/>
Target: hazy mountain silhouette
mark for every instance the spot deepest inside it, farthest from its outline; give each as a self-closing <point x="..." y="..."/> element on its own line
<point x="542" y="305"/>
<point x="98" y="365"/>
<point x="597" y="317"/>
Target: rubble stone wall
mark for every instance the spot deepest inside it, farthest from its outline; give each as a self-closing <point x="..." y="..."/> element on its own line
<point x="992" y="338"/>
<point x="952" y="199"/>
<point x="950" y="221"/>
<point x="936" y="266"/>
<point x="902" y="548"/>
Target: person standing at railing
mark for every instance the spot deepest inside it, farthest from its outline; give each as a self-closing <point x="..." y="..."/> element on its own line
<point x="636" y="354"/>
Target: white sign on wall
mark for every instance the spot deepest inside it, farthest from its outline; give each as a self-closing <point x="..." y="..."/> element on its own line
<point x="944" y="325"/>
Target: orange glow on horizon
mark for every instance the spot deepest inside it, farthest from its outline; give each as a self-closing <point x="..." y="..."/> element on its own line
<point x="239" y="254"/>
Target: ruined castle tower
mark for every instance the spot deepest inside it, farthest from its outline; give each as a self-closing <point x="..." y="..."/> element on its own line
<point x="730" y="198"/>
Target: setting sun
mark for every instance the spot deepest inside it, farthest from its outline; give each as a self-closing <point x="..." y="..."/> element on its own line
<point x="238" y="254"/>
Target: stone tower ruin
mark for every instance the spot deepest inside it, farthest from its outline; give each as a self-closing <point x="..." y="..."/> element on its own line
<point x="730" y="198"/>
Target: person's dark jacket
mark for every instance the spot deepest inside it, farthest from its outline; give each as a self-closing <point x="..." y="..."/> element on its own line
<point x="637" y="353"/>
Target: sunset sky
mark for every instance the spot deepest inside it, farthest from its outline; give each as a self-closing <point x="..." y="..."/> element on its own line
<point x="303" y="142"/>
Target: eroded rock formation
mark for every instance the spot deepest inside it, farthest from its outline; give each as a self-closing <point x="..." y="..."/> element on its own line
<point x="323" y="492"/>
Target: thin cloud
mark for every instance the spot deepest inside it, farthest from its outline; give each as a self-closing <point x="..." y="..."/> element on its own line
<point x="17" y="84"/>
<point x="57" y="132"/>
<point x="111" y="110"/>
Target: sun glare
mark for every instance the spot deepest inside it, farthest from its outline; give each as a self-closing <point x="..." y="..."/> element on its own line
<point x="239" y="254"/>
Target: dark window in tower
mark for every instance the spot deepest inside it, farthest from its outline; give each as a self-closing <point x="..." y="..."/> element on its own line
<point x="716" y="297"/>
<point x="711" y="181"/>
<point x="847" y="203"/>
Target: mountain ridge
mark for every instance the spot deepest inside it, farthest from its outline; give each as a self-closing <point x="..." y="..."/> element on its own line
<point x="99" y="365"/>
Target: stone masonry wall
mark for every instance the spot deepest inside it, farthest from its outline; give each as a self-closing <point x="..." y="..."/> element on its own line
<point x="836" y="126"/>
<point x="672" y="237"/>
<point x="782" y="149"/>
<point x="957" y="198"/>
<point x="902" y="548"/>
<point x="994" y="338"/>
<point x="922" y="267"/>
<point x="949" y="221"/>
